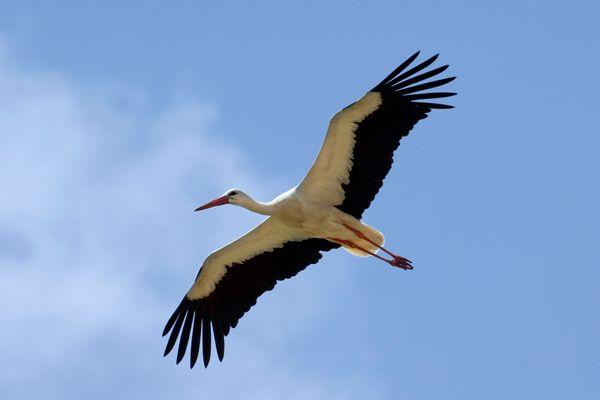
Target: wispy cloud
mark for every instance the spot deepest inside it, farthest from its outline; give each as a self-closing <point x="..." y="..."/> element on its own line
<point x="97" y="239"/>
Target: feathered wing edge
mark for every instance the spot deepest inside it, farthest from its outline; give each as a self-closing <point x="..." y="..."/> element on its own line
<point x="234" y="295"/>
<point x="400" y="83"/>
<point x="379" y="134"/>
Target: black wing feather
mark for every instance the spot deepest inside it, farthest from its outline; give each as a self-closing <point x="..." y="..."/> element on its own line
<point x="206" y="338"/>
<point x="219" y="339"/>
<point x="420" y="77"/>
<point x="425" y="86"/>
<point x="379" y="134"/>
<point x="413" y="70"/>
<point x="234" y="295"/>
<point x="400" y="68"/>
<point x="185" y="335"/>
<point x="176" y="329"/>
<point x="196" y="334"/>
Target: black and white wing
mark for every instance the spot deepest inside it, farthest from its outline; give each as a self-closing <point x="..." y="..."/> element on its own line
<point x="231" y="280"/>
<point x="360" y="142"/>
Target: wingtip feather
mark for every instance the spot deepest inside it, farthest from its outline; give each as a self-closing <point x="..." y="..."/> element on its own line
<point x="185" y="336"/>
<point x="196" y="335"/>
<point x="206" y="341"/>
<point x="171" y="320"/>
<point x="397" y="71"/>
<point x="174" y="334"/>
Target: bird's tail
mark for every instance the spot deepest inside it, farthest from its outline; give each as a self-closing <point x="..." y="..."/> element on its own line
<point x="374" y="239"/>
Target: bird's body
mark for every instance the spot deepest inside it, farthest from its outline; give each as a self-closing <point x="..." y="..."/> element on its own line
<point x="293" y="216"/>
<point x="321" y="213"/>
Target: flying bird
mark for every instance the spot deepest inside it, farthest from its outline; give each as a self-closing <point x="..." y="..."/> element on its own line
<point x="321" y="213"/>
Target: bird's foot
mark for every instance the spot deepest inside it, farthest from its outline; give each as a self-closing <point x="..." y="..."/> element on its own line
<point x="401" y="262"/>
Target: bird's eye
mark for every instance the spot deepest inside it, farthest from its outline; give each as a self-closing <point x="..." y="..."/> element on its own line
<point x="233" y="192"/>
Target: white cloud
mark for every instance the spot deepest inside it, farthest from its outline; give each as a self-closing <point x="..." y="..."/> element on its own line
<point x="97" y="237"/>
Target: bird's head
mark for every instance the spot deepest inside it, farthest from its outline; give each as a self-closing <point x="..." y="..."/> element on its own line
<point x="232" y="196"/>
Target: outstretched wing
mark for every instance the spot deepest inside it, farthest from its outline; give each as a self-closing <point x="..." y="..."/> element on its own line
<point x="231" y="280"/>
<point x="360" y="142"/>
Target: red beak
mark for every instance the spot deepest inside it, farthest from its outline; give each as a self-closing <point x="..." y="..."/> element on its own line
<point x="216" y="202"/>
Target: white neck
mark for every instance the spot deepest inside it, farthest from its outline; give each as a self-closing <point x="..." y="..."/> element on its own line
<point x="256" y="206"/>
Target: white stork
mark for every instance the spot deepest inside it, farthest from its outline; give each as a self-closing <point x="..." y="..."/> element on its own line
<point x="321" y="213"/>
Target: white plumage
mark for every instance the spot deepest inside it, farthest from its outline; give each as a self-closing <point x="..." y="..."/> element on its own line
<point x="321" y="213"/>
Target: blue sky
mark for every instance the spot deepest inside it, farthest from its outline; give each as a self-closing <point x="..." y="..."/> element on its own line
<point x="117" y="120"/>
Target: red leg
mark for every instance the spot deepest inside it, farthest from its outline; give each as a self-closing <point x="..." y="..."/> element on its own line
<point x="400" y="261"/>
<point x="396" y="262"/>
